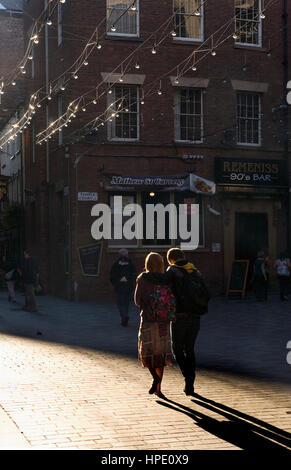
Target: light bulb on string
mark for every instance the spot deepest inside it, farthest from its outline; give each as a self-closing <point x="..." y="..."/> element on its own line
<point x="213" y="52"/>
<point x="49" y="21"/>
<point x="173" y="33"/>
<point x="75" y="76"/>
<point x="99" y="46"/>
<point x="85" y="62"/>
<point x="13" y="83"/>
<point x="154" y="50"/>
<point x="113" y="28"/>
<point x="235" y="36"/>
<point x="197" y="13"/>
<point x="176" y="80"/>
<point x="262" y="15"/>
<point x="62" y="1"/>
<point x="137" y="66"/>
<point x="30" y="57"/>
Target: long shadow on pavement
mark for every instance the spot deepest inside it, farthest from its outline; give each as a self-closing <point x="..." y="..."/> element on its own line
<point x="240" y="429"/>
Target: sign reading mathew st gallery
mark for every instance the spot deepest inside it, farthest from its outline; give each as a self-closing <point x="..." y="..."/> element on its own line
<point x="245" y="172"/>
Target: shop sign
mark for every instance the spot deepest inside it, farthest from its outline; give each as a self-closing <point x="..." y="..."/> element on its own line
<point x="83" y="196"/>
<point x="189" y="182"/>
<point x="245" y="172"/>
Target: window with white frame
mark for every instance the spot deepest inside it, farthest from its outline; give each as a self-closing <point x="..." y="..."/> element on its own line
<point x="189" y="115"/>
<point x="248" y="22"/>
<point x="188" y="19"/>
<point x="123" y="17"/>
<point x="123" y="122"/>
<point x="248" y="118"/>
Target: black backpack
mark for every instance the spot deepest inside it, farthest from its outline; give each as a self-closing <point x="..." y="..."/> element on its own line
<point x="195" y="295"/>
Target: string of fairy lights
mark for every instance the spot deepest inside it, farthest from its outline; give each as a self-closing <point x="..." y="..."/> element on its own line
<point x="43" y="19"/>
<point x="115" y="113"/>
<point x="209" y="46"/>
<point x="58" y="124"/>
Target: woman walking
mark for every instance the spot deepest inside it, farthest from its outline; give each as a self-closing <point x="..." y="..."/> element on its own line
<point x="157" y="309"/>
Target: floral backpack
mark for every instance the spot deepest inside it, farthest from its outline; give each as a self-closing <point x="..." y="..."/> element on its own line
<point x="162" y="303"/>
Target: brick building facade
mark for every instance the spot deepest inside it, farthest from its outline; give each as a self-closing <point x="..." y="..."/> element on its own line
<point x="11" y="52"/>
<point x="221" y="115"/>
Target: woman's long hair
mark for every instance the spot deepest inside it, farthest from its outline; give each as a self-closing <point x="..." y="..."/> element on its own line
<point x="154" y="263"/>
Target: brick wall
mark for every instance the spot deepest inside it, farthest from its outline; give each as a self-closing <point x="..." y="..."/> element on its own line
<point x="156" y="133"/>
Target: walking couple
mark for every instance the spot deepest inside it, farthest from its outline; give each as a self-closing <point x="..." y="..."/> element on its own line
<point x="156" y="293"/>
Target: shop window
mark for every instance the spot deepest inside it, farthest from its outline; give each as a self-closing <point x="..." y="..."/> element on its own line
<point x="248" y="119"/>
<point x="123" y="17"/>
<point x="188" y="19"/>
<point x="123" y="122"/>
<point x="189" y="115"/>
<point x="187" y="197"/>
<point x="156" y="240"/>
<point x="115" y="210"/>
<point x="248" y="22"/>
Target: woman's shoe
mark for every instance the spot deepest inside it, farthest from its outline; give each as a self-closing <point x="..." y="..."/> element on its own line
<point x="160" y="395"/>
<point x="154" y="386"/>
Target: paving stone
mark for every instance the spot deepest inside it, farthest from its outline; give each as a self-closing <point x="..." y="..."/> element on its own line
<point x="79" y="385"/>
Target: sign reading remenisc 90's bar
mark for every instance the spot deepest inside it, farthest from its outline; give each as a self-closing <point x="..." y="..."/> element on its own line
<point x="245" y="172"/>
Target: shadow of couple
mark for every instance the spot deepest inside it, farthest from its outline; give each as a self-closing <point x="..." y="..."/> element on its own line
<point x="239" y="429"/>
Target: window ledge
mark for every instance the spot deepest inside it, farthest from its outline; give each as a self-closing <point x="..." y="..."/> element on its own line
<point x="187" y="41"/>
<point x="121" y="37"/>
<point x="250" y="47"/>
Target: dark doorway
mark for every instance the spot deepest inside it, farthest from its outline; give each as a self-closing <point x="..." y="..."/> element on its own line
<point x="251" y="235"/>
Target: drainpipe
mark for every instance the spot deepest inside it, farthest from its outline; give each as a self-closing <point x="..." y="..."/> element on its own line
<point x="286" y="112"/>
<point x="47" y="91"/>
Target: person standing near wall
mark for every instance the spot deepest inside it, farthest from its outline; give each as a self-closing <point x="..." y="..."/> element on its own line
<point x="122" y="277"/>
<point x="283" y="267"/>
<point x="30" y="276"/>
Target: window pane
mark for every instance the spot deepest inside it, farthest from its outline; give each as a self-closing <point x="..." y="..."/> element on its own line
<point x="248" y="118"/>
<point x="186" y="23"/>
<point x="187" y="197"/>
<point x="121" y="17"/>
<point x="125" y="105"/>
<point x="248" y="21"/>
<point x="158" y="198"/>
<point x="127" y="198"/>
<point x="189" y="115"/>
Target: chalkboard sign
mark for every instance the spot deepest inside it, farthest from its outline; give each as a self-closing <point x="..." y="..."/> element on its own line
<point x="90" y="257"/>
<point x="237" y="279"/>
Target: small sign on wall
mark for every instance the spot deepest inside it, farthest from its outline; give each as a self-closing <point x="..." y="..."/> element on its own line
<point x="85" y="196"/>
<point x="216" y="247"/>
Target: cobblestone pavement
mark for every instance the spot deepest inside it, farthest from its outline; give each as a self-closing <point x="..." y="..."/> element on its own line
<point x="70" y="379"/>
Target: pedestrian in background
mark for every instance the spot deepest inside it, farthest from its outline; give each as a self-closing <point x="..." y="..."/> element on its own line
<point x="260" y="277"/>
<point x="157" y="307"/>
<point x="30" y="276"/>
<point x="283" y="267"/>
<point x="267" y="271"/>
<point x="11" y="274"/>
<point x="122" y="277"/>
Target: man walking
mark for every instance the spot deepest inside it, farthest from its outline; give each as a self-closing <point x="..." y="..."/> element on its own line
<point x="122" y="277"/>
<point x="29" y="276"/>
